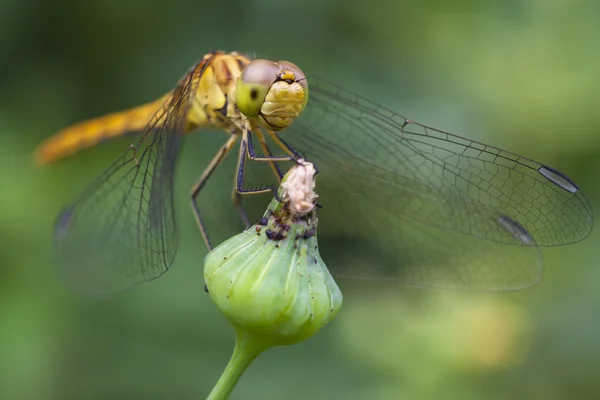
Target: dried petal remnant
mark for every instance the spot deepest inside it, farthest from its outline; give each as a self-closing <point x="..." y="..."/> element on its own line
<point x="298" y="188"/>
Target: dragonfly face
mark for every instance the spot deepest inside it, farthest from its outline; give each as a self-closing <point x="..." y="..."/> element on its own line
<point x="274" y="93"/>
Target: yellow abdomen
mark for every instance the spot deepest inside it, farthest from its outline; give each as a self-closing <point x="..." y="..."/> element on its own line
<point x="89" y="133"/>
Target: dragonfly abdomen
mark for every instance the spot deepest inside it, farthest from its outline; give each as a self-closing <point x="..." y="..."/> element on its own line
<point x="88" y="133"/>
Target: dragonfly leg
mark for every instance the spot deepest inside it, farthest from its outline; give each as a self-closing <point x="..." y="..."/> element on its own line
<point x="237" y="197"/>
<point x="237" y="203"/>
<point x="241" y="172"/>
<point x="247" y="152"/>
<point x="283" y="145"/>
<point x="288" y="149"/>
<point x="202" y="180"/>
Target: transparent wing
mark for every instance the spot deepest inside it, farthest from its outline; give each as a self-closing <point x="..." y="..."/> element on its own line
<point x="431" y="208"/>
<point x="121" y="231"/>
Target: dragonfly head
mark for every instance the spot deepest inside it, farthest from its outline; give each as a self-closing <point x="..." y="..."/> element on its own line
<point x="272" y="92"/>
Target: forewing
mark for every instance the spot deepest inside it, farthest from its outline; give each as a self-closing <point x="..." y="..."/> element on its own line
<point x="121" y="231"/>
<point x="440" y="210"/>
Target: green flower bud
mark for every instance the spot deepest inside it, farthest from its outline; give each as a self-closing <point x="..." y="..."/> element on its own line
<point x="270" y="281"/>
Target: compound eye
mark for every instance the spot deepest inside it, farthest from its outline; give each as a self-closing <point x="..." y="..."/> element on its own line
<point x="299" y="75"/>
<point x="253" y="85"/>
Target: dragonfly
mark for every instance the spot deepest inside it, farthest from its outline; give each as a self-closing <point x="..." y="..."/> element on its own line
<point x="403" y="202"/>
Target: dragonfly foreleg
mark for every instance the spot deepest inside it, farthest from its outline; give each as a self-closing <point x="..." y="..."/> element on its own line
<point x="247" y="152"/>
<point x="237" y="197"/>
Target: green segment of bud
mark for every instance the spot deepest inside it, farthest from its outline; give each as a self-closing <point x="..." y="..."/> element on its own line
<point x="270" y="280"/>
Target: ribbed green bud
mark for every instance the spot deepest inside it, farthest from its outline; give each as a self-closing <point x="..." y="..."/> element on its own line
<point x="270" y="281"/>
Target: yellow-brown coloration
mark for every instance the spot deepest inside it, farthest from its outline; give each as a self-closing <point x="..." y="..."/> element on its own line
<point x="215" y="80"/>
<point x="273" y="93"/>
<point x="89" y="133"/>
<point x="288" y="75"/>
<point x="215" y="89"/>
<point x="283" y="103"/>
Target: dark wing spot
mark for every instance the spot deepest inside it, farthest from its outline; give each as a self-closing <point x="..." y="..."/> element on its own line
<point x="516" y="230"/>
<point x="559" y="179"/>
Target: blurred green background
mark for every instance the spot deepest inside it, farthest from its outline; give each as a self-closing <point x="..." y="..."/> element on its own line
<point x="521" y="75"/>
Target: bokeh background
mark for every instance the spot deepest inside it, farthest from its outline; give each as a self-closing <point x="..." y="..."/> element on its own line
<point x="522" y="75"/>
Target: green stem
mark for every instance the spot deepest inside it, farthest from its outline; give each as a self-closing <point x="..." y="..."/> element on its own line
<point x="247" y="348"/>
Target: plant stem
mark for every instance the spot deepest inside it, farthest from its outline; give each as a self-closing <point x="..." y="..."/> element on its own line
<point x="247" y="348"/>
